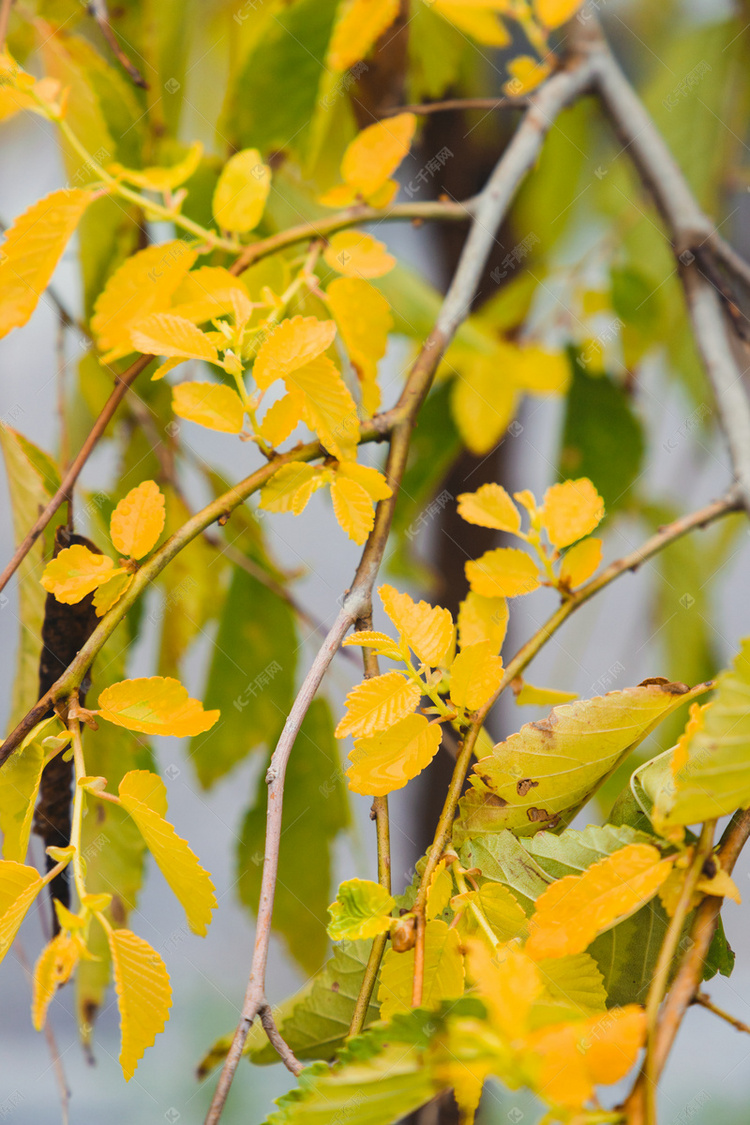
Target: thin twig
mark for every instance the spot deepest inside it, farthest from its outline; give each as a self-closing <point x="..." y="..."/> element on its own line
<point x="98" y="10"/>
<point x="122" y="385"/>
<point x="489" y="209"/>
<point x="705" y="1001"/>
<point x="5" y="8"/>
<point x="450" y="105"/>
<point x="666" y="535"/>
<point x="285" y="1053"/>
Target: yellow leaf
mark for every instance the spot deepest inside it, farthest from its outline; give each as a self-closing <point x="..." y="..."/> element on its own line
<point x="364" y="319"/>
<point x="291" y="345"/>
<point x="696" y="722"/>
<point x="157" y="178"/>
<point x="377" y="704"/>
<point x="144" y="995"/>
<point x="358" y="255"/>
<point x="281" y="418"/>
<point x="482" y="619"/>
<point x="55" y="966"/>
<point x="504" y="914"/>
<point x="385" y="762"/>
<point x="476" y="675"/>
<point x="483" y="401"/>
<point x="358" y="29"/>
<point x="507" y="982"/>
<point x="476" y="20"/>
<point x="528" y="696"/>
<point x="138" y="520"/>
<point x="212" y="405"/>
<point x="206" y="293"/>
<point x="385" y="194"/>
<point x="290" y="488"/>
<point x="242" y="190"/>
<point x="443" y="972"/>
<point x="340" y="196"/>
<point x="142" y="285"/>
<point x="504" y="572"/>
<point x="526" y="74"/>
<point x="574" y="910"/>
<point x="110" y="592"/>
<point x="440" y="891"/>
<point x="169" y="335"/>
<point x="164" y="368"/>
<point x="326" y="405"/>
<point x="570" y="511"/>
<point x="566" y="1061"/>
<point x="144" y="795"/>
<point x="539" y="372"/>
<point x="720" y="884"/>
<point x="553" y="13"/>
<point x="580" y="562"/>
<point x="372" y="480"/>
<point x="380" y="642"/>
<point x="377" y="151"/>
<point x="352" y="507"/>
<point x="490" y="506"/>
<point x="75" y="572"/>
<point x="155" y="705"/>
<point x="19" y="786"/>
<point x="32" y="248"/>
<point x="428" y="630"/>
<point x="19" y="886"/>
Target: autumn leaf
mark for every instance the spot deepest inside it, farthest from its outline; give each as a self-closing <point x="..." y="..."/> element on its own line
<point x="372" y="480"/>
<point x="426" y="629"/>
<point x="528" y="695"/>
<point x="158" y="178"/>
<point x="362" y="910"/>
<point x="281" y="418"/>
<point x="32" y="248"/>
<point x="75" y="572"/>
<point x="19" y="785"/>
<point x="497" y="905"/>
<point x="291" y="487"/>
<point x="361" y="24"/>
<point x="376" y="704"/>
<point x="476" y="674"/>
<point x="377" y="151"/>
<point x="209" y="404"/>
<point x="55" y="966"/>
<point x="384" y="762"/>
<point x="482" y="404"/>
<point x="241" y="191"/>
<point x="505" y="572"/>
<point x="580" y="562"/>
<point x="144" y="995"/>
<point x="110" y="592"/>
<point x="507" y="982"/>
<point x="155" y="705"/>
<point x="19" y="886"/>
<point x="326" y="405"/>
<point x="381" y="643"/>
<point x="482" y="619"/>
<point x="574" y="910"/>
<point x="352" y="507"/>
<point x="144" y="795"/>
<point x="142" y="285"/>
<point x="481" y="23"/>
<point x="364" y="320"/>
<point x="553" y="13"/>
<point x="206" y="293"/>
<point x="355" y="254"/>
<point x="443" y="972"/>
<point x="526" y="74"/>
<point x="138" y="520"/>
<point x="490" y="506"/>
<point x="169" y="335"/>
<point x="291" y="345"/>
<point x="570" y="511"/>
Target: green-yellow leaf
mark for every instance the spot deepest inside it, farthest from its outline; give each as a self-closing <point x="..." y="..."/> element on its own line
<point x="362" y="909"/>
<point x="427" y="630"/>
<point x="291" y="486"/>
<point x="144" y="995"/>
<point x="155" y="705"/>
<point x="212" y="405"/>
<point x="242" y="190"/>
<point x="377" y="704"/>
<point x="54" y="967"/>
<point x="158" y="178"/>
<point x="144" y="795"/>
<point x="138" y="520"/>
<point x="382" y="763"/>
<point x="19" y="785"/>
<point x="530" y="696"/>
<point x="32" y="248"/>
<point x="75" y="572"/>
<point x="476" y="674"/>
<point x="364" y="320"/>
<point x="443" y="972"/>
<point x="110" y="592"/>
<point x="502" y="911"/>
<point x="505" y="572"/>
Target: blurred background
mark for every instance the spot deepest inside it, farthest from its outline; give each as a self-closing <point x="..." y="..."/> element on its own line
<point x="592" y="277"/>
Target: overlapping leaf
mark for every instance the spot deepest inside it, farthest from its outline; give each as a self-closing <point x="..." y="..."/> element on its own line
<point x="571" y="510"/>
<point x="144" y="995"/>
<point x="155" y="705"/>
<point x="384" y="762"/>
<point x="291" y="345"/>
<point x="476" y="674"/>
<point x="490" y="506"/>
<point x="377" y="704"/>
<point x="75" y="572"/>
<point x="504" y="572"/>
<point x="443" y="972"/>
<point x="138" y="520"/>
<point x="19" y="886"/>
<point x="362" y="909"/>
<point x="354" y="254"/>
<point x="19" y="785"/>
<point x="364" y="320"/>
<point x="212" y="405"/>
<point x="426" y="629"/>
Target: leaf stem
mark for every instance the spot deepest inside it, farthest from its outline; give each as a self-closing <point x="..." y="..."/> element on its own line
<point x="78" y="797"/>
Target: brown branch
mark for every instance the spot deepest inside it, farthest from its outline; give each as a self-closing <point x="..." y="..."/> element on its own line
<point x="450" y="105"/>
<point x="285" y="1053"/>
<point x="488" y="212"/>
<point x="705" y="1001"/>
<point x="122" y="385"/>
<point x="97" y="9"/>
<point x="5" y="8"/>
<point x="663" y="537"/>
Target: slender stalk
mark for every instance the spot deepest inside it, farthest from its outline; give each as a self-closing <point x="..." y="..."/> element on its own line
<point x="457" y="105"/>
<point x="78" y="797"/>
<point x="5" y="7"/>
<point x="705" y="1001"/>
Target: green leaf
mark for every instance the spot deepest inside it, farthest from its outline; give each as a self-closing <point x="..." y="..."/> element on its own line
<point x="573" y="983"/>
<point x="610" y="456"/>
<point x="443" y="972"/>
<point x="251" y="679"/>
<point x="315" y="811"/>
<point x="33" y="479"/>
<point x="362" y="909"/>
<point x="320" y="1016"/>
<point x="715" y="779"/>
<point x="540" y="777"/>
<point x="379" y="1078"/>
<point x="502" y="858"/>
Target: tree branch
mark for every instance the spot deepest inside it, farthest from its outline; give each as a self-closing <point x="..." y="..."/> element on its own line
<point x="488" y="212"/>
<point x="705" y="1001"/>
<point x="451" y="105"/>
